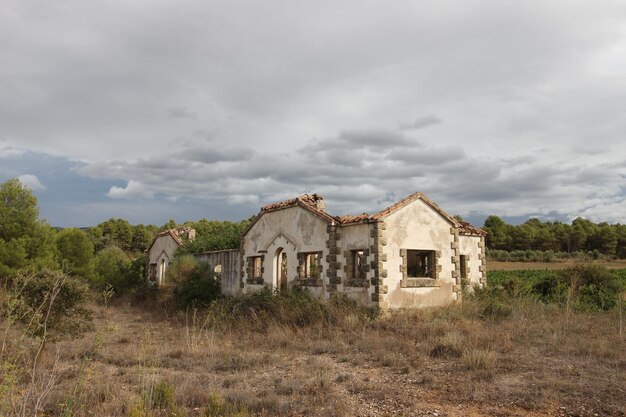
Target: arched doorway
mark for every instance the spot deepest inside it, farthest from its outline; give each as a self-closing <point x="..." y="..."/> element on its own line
<point x="162" y="271"/>
<point x="280" y="269"/>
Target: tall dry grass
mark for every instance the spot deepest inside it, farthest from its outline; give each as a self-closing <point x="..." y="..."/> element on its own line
<point x="291" y="354"/>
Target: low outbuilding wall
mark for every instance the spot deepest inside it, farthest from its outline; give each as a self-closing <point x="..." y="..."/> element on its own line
<point x="226" y="263"/>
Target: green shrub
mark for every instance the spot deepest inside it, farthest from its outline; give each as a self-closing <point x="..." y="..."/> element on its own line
<point x="494" y="302"/>
<point x="163" y="395"/>
<point x="200" y="289"/>
<point x="48" y="302"/>
<point x="181" y="269"/>
<point x="192" y="283"/>
<point x="584" y="287"/>
<point x="136" y="272"/>
<point x="594" y="288"/>
<point x="294" y="307"/>
<point x="218" y="407"/>
<point x="111" y="268"/>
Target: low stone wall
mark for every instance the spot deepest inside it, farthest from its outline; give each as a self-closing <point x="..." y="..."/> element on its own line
<point x="227" y="263"/>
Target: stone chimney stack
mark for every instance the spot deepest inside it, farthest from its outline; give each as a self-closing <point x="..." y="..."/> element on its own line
<point x="319" y="202"/>
<point x="186" y="233"/>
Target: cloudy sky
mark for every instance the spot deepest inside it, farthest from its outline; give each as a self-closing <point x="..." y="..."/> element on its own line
<point x="150" y="110"/>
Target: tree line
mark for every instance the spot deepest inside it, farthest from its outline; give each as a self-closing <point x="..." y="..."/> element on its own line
<point x="110" y="255"/>
<point x="113" y="253"/>
<point x="581" y="236"/>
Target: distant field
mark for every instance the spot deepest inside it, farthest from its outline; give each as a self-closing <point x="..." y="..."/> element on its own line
<point x="511" y="266"/>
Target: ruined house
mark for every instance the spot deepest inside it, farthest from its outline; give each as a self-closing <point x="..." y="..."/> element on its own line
<point x="162" y="249"/>
<point x="410" y="254"/>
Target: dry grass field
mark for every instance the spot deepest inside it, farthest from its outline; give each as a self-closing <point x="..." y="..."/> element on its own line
<point x="138" y="361"/>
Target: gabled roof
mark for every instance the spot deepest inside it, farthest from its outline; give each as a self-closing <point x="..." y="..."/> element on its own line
<point x="309" y="202"/>
<point x="468" y="229"/>
<point x="408" y="200"/>
<point x="173" y="233"/>
<point x="312" y="203"/>
<point x="464" y="227"/>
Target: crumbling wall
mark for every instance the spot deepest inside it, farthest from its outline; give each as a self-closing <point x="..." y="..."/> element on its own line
<point x="355" y="237"/>
<point x="471" y="247"/>
<point x="225" y="263"/>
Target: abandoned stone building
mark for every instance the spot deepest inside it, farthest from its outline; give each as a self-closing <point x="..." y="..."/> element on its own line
<point x="162" y="249"/>
<point x="410" y="254"/>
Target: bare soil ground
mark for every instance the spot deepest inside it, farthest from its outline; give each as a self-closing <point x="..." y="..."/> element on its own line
<point x="563" y="264"/>
<point x="442" y="362"/>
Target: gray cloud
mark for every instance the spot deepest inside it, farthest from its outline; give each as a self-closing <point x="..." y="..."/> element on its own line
<point x="447" y="174"/>
<point x="427" y="156"/>
<point x="214" y="153"/>
<point x="220" y="102"/>
<point x="180" y="113"/>
<point x="353" y="141"/>
<point x="380" y="138"/>
<point x="421" y="123"/>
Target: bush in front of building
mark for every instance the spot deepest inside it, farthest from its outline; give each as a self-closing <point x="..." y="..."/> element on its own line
<point x="191" y="283"/>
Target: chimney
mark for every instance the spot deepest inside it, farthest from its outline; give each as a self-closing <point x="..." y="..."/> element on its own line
<point x="187" y="233"/>
<point x="318" y="202"/>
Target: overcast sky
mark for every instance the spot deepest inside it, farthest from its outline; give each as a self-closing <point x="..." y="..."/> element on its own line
<point x="169" y="109"/>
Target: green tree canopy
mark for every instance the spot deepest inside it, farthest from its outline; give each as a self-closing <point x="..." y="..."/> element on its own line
<point x="75" y="252"/>
<point x="582" y="235"/>
<point x="112" y="266"/>
<point x="121" y="233"/>
<point x="24" y="239"/>
<point x="171" y="224"/>
<point x="18" y="210"/>
<point x="214" y="235"/>
<point x="497" y="232"/>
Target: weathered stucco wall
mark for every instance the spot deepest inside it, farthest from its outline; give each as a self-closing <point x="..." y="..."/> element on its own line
<point x="471" y="248"/>
<point x="161" y="253"/>
<point x="408" y="255"/>
<point x="418" y="227"/>
<point x="227" y="264"/>
<point x="355" y="237"/>
<point x="291" y="230"/>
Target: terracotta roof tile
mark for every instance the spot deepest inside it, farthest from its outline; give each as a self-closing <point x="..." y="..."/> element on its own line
<point x="468" y="229"/>
<point x="359" y="218"/>
<point x="174" y="233"/>
<point x="171" y="232"/>
<point x="312" y="202"/>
